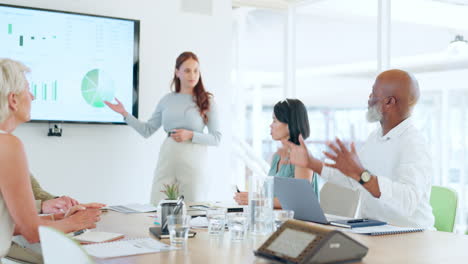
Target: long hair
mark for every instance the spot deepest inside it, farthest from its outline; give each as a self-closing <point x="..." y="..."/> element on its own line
<point x="200" y="96"/>
<point x="294" y="113"/>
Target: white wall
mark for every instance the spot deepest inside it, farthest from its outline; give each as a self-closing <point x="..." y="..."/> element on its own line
<point x="113" y="164"/>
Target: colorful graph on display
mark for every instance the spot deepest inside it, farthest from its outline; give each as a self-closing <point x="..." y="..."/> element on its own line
<point x="44" y="91"/>
<point x="97" y="87"/>
<point x="22" y="38"/>
<point x="77" y="61"/>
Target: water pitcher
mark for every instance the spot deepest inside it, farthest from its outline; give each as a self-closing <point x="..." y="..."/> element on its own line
<point x="261" y="204"/>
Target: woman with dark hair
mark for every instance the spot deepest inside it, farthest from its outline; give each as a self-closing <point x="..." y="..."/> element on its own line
<point x="183" y="113"/>
<point x="290" y="120"/>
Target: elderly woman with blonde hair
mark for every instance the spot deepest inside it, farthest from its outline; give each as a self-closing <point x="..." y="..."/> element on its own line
<point x="18" y="214"/>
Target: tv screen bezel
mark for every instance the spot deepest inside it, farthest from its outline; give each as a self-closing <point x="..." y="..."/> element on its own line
<point x="136" y="63"/>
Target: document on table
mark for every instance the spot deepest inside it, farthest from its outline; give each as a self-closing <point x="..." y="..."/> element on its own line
<point x="128" y="247"/>
<point x="132" y="208"/>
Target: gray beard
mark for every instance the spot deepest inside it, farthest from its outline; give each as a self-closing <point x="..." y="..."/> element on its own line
<point x="373" y="114"/>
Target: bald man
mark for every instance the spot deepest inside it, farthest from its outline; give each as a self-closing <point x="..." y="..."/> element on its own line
<point x="392" y="171"/>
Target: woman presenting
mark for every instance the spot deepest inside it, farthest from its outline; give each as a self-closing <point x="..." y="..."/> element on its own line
<point x="183" y="113"/>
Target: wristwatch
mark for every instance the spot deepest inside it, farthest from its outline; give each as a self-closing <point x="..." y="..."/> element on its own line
<point x="365" y="177"/>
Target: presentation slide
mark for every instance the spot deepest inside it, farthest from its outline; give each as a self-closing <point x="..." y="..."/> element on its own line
<point x="76" y="61"/>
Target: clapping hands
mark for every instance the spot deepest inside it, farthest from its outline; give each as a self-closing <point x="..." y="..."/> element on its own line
<point x="346" y="161"/>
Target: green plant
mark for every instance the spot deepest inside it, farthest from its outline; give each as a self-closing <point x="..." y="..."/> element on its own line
<point x="171" y="190"/>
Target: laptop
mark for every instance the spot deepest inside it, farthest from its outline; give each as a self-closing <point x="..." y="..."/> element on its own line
<point x="299" y="196"/>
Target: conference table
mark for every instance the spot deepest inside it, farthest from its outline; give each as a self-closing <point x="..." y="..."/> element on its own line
<point x="421" y="247"/>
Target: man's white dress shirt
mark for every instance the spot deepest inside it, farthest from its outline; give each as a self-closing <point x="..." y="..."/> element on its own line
<point x="402" y="163"/>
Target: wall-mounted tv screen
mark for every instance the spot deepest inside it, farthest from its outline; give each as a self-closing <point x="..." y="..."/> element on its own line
<point x="77" y="61"/>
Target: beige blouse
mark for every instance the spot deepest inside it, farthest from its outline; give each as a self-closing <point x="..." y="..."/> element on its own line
<point x="7" y="225"/>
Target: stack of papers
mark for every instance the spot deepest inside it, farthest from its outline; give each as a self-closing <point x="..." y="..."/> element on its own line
<point x="199" y="222"/>
<point x="131" y="208"/>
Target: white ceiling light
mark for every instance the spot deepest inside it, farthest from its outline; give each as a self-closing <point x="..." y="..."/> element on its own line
<point x="458" y="47"/>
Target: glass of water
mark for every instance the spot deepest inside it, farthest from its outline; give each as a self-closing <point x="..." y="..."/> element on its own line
<point x="282" y="216"/>
<point x="216" y="221"/>
<point x="179" y="226"/>
<point x="237" y="224"/>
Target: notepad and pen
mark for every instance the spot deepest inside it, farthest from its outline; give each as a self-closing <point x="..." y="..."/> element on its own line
<point x="372" y="227"/>
<point x="87" y="237"/>
<point x="353" y="223"/>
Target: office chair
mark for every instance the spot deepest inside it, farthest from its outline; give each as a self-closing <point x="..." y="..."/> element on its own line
<point x="344" y="204"/>
<point x="444" y="202"/>
<point x="57" y="248"/>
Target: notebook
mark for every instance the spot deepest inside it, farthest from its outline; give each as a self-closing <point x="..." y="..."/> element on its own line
<point x="126" y="247"/>
<point x="354" y="223"/>
<point x="383" y="230"/>
<point x="97" y="237"/>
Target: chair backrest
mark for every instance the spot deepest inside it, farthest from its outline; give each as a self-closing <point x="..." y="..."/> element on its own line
<point x="337" y="200"/>
<point x="444" y="202"/>
<point x="57" y="248"/>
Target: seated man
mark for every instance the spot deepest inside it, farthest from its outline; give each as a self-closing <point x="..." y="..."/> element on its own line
<point x="393" y="169"/>
<point x="47" y="203"/>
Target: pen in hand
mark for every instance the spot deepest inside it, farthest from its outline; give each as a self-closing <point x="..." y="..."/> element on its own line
<point x="79" y="232"/>
<point x="237" y="189"/>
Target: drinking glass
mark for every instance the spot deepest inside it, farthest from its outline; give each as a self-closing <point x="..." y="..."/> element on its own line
<point x="261" y="205"/>
<point x="282" y="216"/>
<point x="216" y="221"/>
<point x="179" y="226"/>
<point x="237" y="224"/>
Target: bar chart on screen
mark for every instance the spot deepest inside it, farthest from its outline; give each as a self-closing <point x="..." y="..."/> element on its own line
<point x="77" y="61"/>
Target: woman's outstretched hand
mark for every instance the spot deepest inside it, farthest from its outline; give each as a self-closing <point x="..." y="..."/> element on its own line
<point x="118" y="107"/>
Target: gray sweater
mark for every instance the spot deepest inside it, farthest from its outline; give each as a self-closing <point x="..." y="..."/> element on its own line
<point x="179" y="111"/>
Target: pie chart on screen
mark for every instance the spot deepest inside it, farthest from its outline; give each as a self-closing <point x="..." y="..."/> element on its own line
<point x="96" y="87"/>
